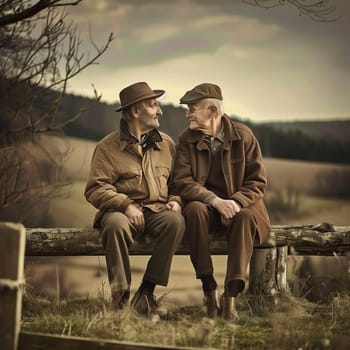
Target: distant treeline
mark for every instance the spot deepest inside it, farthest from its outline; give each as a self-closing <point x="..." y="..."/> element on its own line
<point x="279" y="142"/>
<point x="294" y="144"/>
<point x="287" y="142"/>
<point x="311" y="141"/>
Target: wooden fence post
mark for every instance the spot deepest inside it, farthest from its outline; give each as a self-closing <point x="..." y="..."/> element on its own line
<point x="12" y="246"/>
<point x="268" y="271"/>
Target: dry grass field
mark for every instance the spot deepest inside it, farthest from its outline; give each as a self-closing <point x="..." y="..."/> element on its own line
<point x="73" y="210"/>
<point x="263" y="324"/>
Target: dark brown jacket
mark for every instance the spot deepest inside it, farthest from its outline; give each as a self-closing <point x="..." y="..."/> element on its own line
<point x="242" y="166"/>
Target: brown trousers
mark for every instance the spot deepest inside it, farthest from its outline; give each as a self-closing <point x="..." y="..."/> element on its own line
<point x="202" y="219"/>
<point x="164" y="230"/>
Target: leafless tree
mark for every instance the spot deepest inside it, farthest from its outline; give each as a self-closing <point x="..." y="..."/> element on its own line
<point x="40" y="51"/>
<point x="318" y="10"/>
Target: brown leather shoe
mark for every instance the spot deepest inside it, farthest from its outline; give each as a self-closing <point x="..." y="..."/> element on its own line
<point x="228" y="308"/>
<point x="211" y="303"/>
<point x="120" y="299"/>
<point x="144" y="303"/>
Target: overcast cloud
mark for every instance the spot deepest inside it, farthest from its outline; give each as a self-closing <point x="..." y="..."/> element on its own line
<point x="271" y="64"/>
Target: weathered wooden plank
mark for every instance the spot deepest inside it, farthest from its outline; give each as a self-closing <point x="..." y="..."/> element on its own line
<point x="322" y="239"/>
<point x="39" y="341"/>
<point x="12" y="241"/>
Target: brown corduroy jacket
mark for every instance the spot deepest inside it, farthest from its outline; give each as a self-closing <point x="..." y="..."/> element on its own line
<point x="120" y="174"/>
<point x="242" y="166"/>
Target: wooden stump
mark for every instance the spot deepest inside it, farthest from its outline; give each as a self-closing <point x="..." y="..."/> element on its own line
<point x="268" y="271"/>
<point x="12" y="246"/>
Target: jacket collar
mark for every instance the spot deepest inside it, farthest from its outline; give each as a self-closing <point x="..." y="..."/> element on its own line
<point x="230" y="131"/>
<point x="126" y="138"/>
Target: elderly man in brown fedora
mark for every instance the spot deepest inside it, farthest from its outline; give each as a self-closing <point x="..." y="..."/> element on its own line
<point x="220" y="175"/>
<point x="130" y="172"/>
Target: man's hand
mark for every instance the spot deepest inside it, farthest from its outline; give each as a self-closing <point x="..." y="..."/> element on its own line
<point x="136" y="217"/>
<point x="174" y="206"/>
<point x="227" y="208"/>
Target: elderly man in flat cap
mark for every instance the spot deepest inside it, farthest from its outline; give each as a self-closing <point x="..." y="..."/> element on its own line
<point x="128" y="183"/>
<point x="220" y="175"/>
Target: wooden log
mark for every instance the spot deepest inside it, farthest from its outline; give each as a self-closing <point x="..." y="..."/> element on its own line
<point x="268" y="271"/>
<point x="322" y="239"/>
<point x="12" y="244"/>
<point x="39" y="341"/>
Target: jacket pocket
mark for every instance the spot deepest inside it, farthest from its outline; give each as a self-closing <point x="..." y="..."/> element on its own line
<point x="162" y="175"/>
<point x="129" y="181"/>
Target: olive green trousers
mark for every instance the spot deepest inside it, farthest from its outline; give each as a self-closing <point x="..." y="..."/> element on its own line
<point x="164" y="230"/>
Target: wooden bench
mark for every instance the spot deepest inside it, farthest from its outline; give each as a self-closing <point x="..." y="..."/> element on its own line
<point x="267" y="268"/>
<point x="268" y="265"/>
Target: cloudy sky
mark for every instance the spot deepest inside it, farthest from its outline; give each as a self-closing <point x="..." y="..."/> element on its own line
<point x="271" y="64"/>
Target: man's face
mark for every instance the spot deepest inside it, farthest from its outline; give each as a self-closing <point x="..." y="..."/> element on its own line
<point x="199" y="117"/>
<point x="150" y="112"/>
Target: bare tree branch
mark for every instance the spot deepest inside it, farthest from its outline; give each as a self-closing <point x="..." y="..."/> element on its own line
<point x="318" y="10"/>
<point x="37" y="66"/>
<point x="40" y="51"/>
<point x="33" y="10"/>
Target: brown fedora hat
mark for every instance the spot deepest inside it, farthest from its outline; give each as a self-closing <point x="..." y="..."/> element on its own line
<point x="135" y="93"/>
